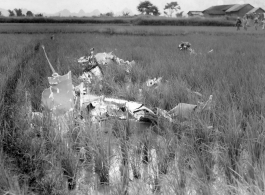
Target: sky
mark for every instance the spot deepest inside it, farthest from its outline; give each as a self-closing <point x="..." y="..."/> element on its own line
<point x="53" y="6"/>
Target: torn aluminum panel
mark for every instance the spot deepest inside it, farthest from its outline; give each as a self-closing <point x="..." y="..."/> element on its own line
<point x="185" y="111"/>
<point x="59" y="98"/>
<point x="182" y="110"/>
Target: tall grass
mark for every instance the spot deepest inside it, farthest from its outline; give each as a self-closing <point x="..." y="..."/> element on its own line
<point x="190" y="156"/>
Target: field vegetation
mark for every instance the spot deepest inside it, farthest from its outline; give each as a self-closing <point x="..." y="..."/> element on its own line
<point x="128" y="20"/>
<point x="190" y="157"/>
<point x="111" y="29"/>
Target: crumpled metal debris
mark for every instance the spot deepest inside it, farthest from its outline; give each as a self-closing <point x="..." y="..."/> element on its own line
<point x="100" y="58"/>
<point x="104" y="59"/>
<point x="128" y="65"/>
<point x="153" y="82"/>
<point x="186" y="46"/>
<point x="91" y="67"/>
<point x="61" y="97"/>
<point x="102" y="106"/>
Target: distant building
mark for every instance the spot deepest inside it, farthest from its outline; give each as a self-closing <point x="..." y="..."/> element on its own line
<point x="216" y="11"/>
<point x="195" y="13"/>
<point x="237" y="10"/>
<point x="256" y="10"/>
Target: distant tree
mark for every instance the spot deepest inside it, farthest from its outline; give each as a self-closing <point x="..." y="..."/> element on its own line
<point x="11" y="13"/>
<point x="29" y="14"/>
<point x="39" y="15"/>
<point x="170" y="8"/>
<point x="110" y="14"/>
<point x="153" y="10"/>
<point x="18" y="12"/>
<point x="147" y="8"/>
<point x="125" y="13"/>
<point x="179" y="14"/>
<point x="143" y="6"/>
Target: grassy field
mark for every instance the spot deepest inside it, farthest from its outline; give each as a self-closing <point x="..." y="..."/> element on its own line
<point x="51" y="28"/>
<point x="190" y="158"/>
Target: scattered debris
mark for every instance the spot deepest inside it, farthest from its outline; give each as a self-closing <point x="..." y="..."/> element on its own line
<point x="157" y="82"/>
<point x="186" y="46"/>
<point x="154" y="82"/>
<point x="61" y="97"/>
<point x="91" y="67"/>
<point x="126" y="63"/>
<point x="104" y="59"/>
<point x="102" y="106"/>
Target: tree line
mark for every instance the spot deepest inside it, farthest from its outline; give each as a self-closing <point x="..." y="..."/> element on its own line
<point x="170" y="9"/>
<point x="145" y="7"/>
<point x="18" y="13"/>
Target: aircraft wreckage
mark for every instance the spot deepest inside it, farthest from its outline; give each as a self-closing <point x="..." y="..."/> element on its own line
<point x="186" y="46"/>
<point x="62" y="98"/>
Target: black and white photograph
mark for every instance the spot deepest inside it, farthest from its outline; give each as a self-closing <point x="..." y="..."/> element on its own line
<point x="132" y="97"/>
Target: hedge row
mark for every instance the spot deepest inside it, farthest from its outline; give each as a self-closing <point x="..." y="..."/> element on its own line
<point x="142" y="20"/>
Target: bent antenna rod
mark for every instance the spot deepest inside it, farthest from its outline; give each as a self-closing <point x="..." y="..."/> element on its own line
<point x="53" y="71"/>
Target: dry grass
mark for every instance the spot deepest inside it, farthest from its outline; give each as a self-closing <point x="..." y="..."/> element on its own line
<point x="191" y="159"/>
<point x="110" y="29"/>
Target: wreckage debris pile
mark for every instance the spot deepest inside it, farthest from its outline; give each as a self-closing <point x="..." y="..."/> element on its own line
<point x="61" y="97"/>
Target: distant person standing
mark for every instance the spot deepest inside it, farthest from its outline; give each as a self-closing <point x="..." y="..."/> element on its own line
<point x="256" y="22"/>
<point x="245" y="23"/>
<point x="248" y="21"/>
<point x="238" y="23"/>
<point x="263" y="24"/>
